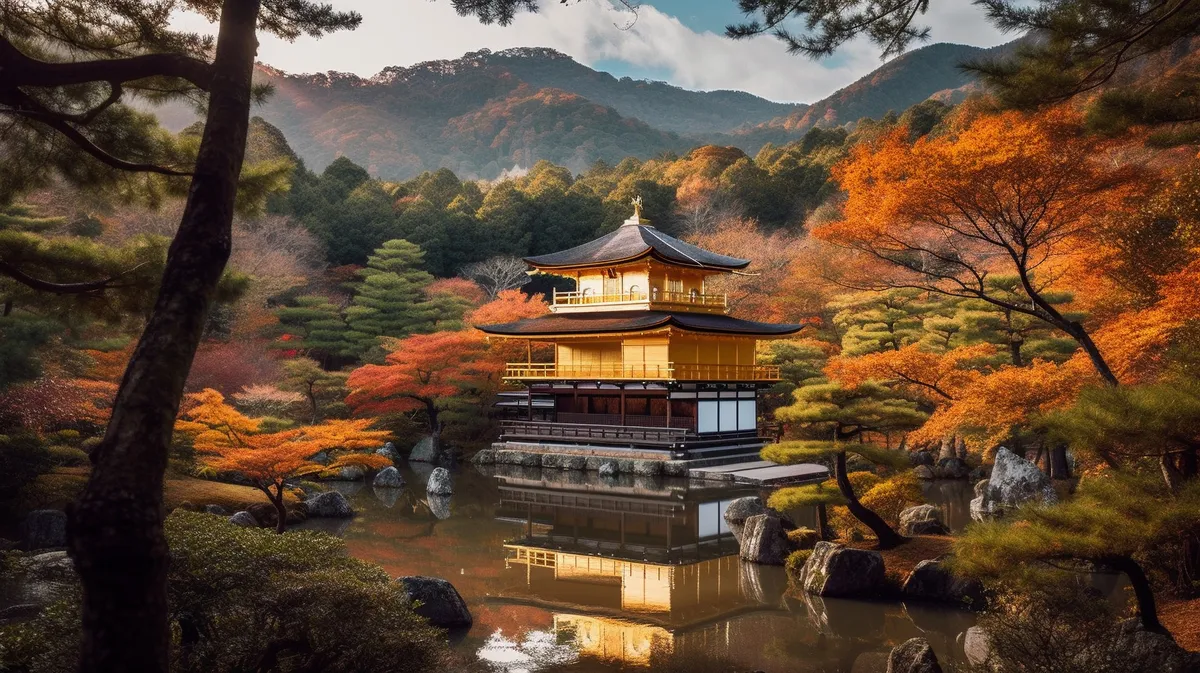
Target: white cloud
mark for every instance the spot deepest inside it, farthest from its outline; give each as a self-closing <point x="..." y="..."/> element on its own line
<point x="403" y="32"/>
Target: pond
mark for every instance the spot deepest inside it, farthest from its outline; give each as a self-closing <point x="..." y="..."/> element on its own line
<point x="565" y="573"/>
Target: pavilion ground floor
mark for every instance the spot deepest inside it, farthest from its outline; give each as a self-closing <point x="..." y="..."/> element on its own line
<point x="669" y="420"/>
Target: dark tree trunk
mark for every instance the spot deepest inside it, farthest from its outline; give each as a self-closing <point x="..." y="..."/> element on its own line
<point x="1014" y="351"/>
<point x="822" y="522"/>
<point x="115" y="530"/>
<point x="1060" y="468"/>
<point x="1143" y="594"/>
<point x="887" y="537"/>
<point x="280" y="510"/>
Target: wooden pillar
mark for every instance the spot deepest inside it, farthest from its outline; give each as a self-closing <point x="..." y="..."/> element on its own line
<point x="668" y="408"/>
<point x="622" y="406"/>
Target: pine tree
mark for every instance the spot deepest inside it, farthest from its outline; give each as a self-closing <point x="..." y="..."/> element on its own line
<point x="390" y="299"/>
<point x="1022" y="336"/>
<point x="323" y="390"/>
<point x="875" y="321"/>
<point x="314" y="324"/>
<point x="847" y="416"/>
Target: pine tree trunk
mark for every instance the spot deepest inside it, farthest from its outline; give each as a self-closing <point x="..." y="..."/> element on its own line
<point x="1143" y="594"/>
<point x="115" y="529"/>
<point x="280" y="511"/>
<point x="887" y="537"/>
<point x="1060" y="468"/>
<point x="822" y="522"/>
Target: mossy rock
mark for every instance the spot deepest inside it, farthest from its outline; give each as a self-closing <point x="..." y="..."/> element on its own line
<point x="795" y="563"/>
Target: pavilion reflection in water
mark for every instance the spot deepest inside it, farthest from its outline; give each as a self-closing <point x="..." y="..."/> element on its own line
<point x="630" y="567"/>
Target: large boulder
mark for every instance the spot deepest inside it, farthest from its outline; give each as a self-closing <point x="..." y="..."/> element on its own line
<point x="439" y="506"/>
<point x="389" y="451"/>
<point x="952" y="468"/>
<point x="834" y="570"/>
<point x="932" y="581"/>
<point x="575" y="463"/>
<point x="439" y="482"/>
<point x="329" y="505"/>
<point x="244" y="519"/>
<point x="484" y="457"/>
<point x="764" y="540"/>
<point x="741" y="509"/>
<point x="913" y="656"/>
<point x="1014" y="482"/>
<point x="977" y="648"/>
<point x="44" y="529"/>
<point x="921" y="458"/>
<point x="437" y="600"/>
<point x="922" y="520"/>
<point x="388" y="477"/>
<point x="426" y="450"/>
<point x="923" y="472"/>
<point x="1155" y="651"/>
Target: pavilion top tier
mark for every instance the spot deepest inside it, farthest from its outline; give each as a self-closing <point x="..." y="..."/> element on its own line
<point x="637" y="267"/>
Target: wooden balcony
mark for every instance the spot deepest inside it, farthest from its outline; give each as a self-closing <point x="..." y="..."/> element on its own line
<point x="586" y="300"/>
<point x="634" y="435"/>
<point x="667" y="371"/>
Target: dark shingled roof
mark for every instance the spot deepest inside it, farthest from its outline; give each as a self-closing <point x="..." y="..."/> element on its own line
<point x="631" y="241"/>
<point x="635" y="321"/>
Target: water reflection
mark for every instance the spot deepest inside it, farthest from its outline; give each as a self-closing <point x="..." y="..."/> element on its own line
<point x="563" y="572"/>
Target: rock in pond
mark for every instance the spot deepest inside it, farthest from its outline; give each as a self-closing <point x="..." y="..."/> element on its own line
<point x="609" y="469"/>
<point x="647" y="468"/>
<point x="576" y="463"/>
<point x="439" y="482"/>
<point x="741" y="509"/>
<point x="952" y="468"/>
<point x="1015" y="481"/>
<point x="244" y="519"/>
<point x="976" y="646"/>
<point x="388" y="477"/>
<point x="44" y="529"/>
<point x="923" y="472"/>
<point x="439" y="601"/>
<point x="484" y="457"/>
<point x="764" y="541"/>
<point x="922" y="520"/>
<point x="921" y="458"/>
<point x="330" y="504"/>
<point x="389" y="451"/>
<point x="932" y="581"/>
<point x="439" y="506"/>
<point x="913" y="656"/>
<point x="426" y="450"/>
<point x="837" y="571"/>
<point x="216" y="509"/>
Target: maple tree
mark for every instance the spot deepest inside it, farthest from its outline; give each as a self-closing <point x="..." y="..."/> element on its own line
<point x="1006" y="194"/>
<point x="230" y="441"/>
<point x="424" y="372"/>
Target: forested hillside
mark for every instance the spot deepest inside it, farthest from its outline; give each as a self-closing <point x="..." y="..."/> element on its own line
<point x="491" y="112"/>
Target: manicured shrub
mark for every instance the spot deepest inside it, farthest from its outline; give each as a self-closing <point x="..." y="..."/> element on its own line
<point x="249" y="599"/>
<point x="67" y="456"/>
<point x="802" y="538"/>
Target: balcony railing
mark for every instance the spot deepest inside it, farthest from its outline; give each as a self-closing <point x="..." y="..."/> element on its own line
<point x="588" y="298"/>
<point x="668" y="371"/>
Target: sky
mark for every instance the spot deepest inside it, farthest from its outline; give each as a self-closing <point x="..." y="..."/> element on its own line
<point x="678" y="41"/>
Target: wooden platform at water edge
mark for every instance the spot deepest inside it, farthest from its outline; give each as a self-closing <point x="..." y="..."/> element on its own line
<point x="763" y="473"/>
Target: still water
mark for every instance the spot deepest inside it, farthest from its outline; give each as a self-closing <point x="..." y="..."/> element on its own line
<point x="565" y="573"/>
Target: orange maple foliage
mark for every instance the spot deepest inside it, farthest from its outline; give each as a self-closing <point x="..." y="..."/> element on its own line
<point x="1009" y="194"/>
<point x="936" y="377"/>
<point x="424" y="372"/>
<point x="508" y="306"/>
<point x="230" y="441"/>
<point x="1136" y="342"/>
<point x="987" y="410"/>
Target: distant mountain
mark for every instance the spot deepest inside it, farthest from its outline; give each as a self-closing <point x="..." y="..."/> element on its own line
<point x="659" y="104"/>
<point x="490" y="112"/>
<point x="908" y="79"/>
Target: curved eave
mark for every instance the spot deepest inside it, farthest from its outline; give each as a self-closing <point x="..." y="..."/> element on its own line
<point x="648" y="252"/>
<point x="611" y="323"/>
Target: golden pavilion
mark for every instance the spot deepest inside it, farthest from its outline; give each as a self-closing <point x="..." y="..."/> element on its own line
<point x="646" y="360"/>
